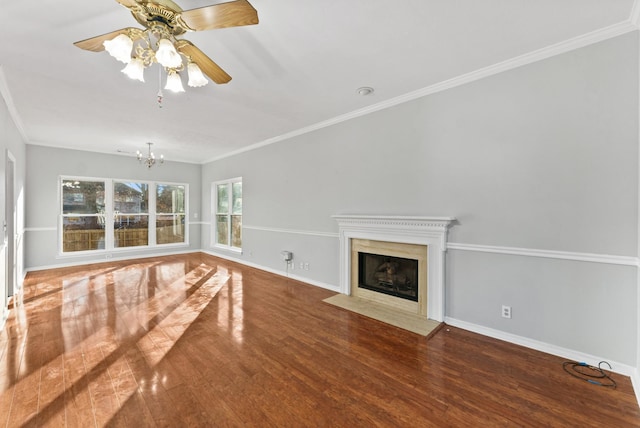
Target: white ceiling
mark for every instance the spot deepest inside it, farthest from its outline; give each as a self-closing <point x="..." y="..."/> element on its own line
<point x="297" y="69"/>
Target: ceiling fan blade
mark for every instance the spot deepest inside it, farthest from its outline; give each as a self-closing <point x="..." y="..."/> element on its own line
<point x="94" y="44"/>
<point x="205" y="63"/>
<point x="232" y="14"/>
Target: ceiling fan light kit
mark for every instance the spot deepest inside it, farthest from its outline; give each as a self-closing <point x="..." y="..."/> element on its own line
<point x="174" y="83"/>
<point x="196" y="78"/>
<point x="135" y="69"/>
<point x="164" y="20"/>
<point x="119" y="47"/>
<point x="166" y="55"/>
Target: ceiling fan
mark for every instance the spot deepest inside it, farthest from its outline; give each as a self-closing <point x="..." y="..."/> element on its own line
<point x="164" y="20"/>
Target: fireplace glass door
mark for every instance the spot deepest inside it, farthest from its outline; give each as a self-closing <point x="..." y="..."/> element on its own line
<point x="395" y="276"/>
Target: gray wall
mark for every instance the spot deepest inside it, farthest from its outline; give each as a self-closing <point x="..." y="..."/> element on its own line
<point x="542" y="157"/>
<point x="47" y="164"/>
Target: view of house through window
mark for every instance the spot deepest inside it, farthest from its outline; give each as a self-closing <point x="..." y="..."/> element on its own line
<point x="108" y="214"/>
<point x="130" y="214"/>
<point x="228" y="213"/>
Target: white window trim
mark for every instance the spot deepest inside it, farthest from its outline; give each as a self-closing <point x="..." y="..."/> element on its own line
<point x="214" y="211"/>
<point x="109" y="231"/>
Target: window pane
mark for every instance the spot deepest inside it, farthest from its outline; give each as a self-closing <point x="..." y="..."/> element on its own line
<point x="223" y="198"/>
<point x="130" y="197"/>
<point x="130" y="231"/>
<point x="169" y="198"/>
<point x="82" y="197"/>
<point x="82" y="233"/>
<point x="222" y="229"/>
<point x="236" y="231"/>
<point x="237" y="198"/>
<point x="170" y="229"/>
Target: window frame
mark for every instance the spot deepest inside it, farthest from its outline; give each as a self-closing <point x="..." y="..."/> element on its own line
<point x="109" y="245"/>
<point x="229" y="215"/>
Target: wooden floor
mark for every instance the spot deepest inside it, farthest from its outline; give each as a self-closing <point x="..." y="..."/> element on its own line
<point x="192" y="340"/>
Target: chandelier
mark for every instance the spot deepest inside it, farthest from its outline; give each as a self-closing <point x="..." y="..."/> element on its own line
<point x="150" y="160"/>
<point x="139" y="49"/>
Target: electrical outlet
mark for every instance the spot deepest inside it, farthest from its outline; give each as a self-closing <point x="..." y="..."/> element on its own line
<point x="506" y="311"/>
<point x="301" y="265"/>
<point x="306" y="266"/>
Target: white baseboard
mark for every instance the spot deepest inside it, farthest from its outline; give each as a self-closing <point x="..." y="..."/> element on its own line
<point x="569" y="354"/>
<point x="635" y="381"/>
<point x="331" y="287"/>
<point x="107" y="260"/>
<point x="324" y="285"/>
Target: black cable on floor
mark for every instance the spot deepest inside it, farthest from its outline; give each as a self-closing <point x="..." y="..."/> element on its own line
<point x="591" y="374"/>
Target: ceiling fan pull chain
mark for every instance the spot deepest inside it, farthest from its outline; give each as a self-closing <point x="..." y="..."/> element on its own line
<point x="159" y="87"/>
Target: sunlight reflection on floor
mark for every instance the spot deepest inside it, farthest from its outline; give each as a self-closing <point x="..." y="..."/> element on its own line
<point x="103" y="315"/>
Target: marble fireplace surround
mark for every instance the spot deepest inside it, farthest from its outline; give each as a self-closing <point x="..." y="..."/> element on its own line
<point x="428" y="231"/>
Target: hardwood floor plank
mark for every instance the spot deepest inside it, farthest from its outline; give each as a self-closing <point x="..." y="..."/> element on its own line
<point x="193" y="340"/>
<point x="52" y="385"/>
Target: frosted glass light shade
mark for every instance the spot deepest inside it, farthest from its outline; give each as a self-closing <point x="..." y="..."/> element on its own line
<point x="167" y="55"/>
<point x="174" y="83"/>
<point x="119" y="47"/>
<point x="135" y="69"/>
<point x="196" y="78"/>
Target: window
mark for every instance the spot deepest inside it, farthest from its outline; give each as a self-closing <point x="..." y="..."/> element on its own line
<point x="83" y="215"/>
<point x="106" y="214"/>
<point x="228" y="213"/>
<point x="130" y="214"/>
<point x="170" y="217"/>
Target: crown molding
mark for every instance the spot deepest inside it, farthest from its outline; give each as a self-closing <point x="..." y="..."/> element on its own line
<point x="574" y="43"/>
<point x="13" y="112"/>
<point x="634" y="17"/>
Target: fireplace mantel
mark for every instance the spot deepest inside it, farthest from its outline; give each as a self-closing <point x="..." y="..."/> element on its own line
<point x="429" y="231"/>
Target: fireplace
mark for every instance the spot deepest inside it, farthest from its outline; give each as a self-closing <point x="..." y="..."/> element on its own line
<point x="395" y="261"/>
<point x="395" y="276"/>
<point x="390" y="273"/>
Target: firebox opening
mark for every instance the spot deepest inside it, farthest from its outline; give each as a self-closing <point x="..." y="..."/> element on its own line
<point x="395" y="276"/>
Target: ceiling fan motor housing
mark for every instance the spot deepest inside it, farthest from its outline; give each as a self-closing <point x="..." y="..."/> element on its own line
<point x="165" y="12"/>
